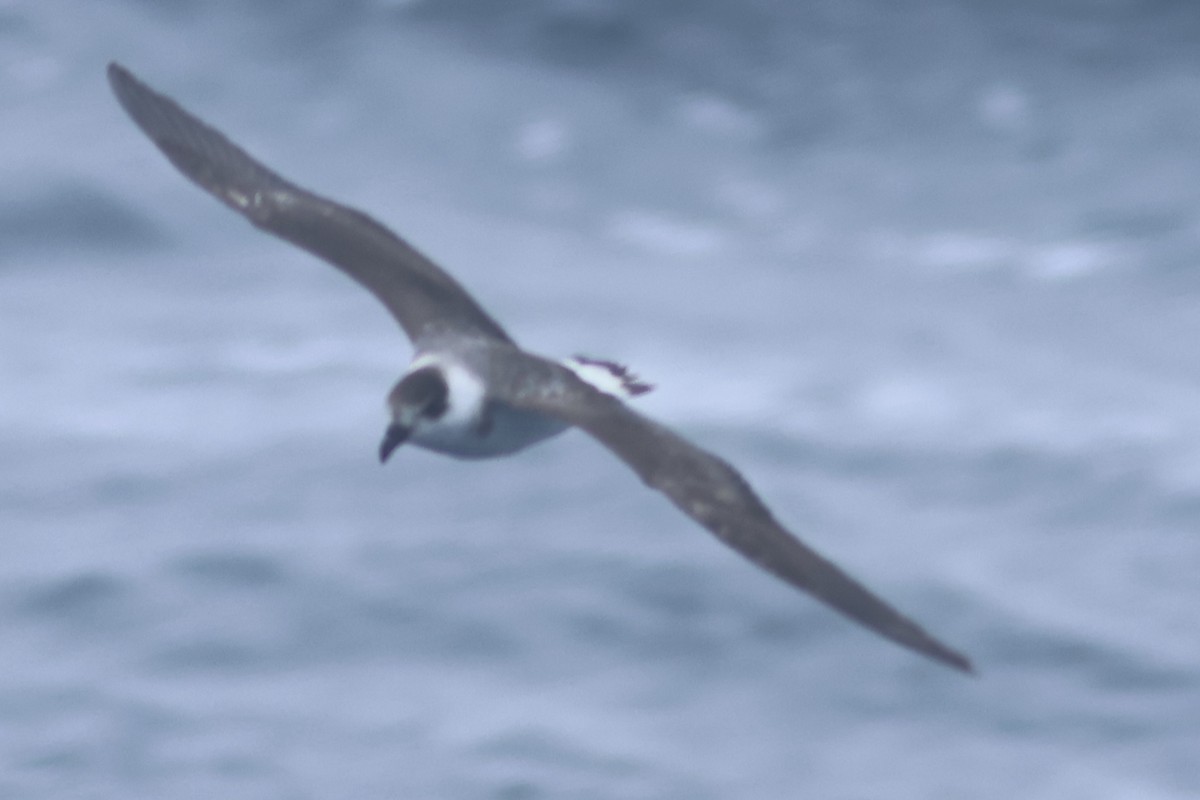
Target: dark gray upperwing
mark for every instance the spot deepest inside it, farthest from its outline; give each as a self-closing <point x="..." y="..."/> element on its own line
<point x="421" y="297"/>
<point x="713" y="493"/>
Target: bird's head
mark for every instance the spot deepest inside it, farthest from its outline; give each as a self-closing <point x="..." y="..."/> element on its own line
<point x="421" y="395"/>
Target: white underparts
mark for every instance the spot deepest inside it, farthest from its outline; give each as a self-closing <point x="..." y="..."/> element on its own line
<point x="472" y="427"/>
<point x="475" y="427"/>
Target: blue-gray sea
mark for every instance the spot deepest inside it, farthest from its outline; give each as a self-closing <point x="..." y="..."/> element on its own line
<point x="927" y="272"/>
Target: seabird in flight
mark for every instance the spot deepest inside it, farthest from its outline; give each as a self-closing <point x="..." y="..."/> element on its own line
<point x="472" y="392"/>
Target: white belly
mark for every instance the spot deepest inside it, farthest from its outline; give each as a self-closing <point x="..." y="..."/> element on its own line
<point x="503" y="431"/>
<point x="472" y="427"/>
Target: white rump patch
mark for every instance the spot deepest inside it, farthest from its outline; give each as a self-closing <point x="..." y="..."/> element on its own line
<point x="608" y="376"/>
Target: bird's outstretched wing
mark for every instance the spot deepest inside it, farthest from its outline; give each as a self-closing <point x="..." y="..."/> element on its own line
<point x="422" y="298"/>
<point x="713" y="493"/>
<point x="426" y="301"/>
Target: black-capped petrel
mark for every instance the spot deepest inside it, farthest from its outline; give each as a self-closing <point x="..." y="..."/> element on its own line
<point x="472" y="392"/>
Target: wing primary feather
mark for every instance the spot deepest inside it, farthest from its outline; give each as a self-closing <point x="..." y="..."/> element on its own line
<point x="421" y="296"/>
<point x="714" y="494"/>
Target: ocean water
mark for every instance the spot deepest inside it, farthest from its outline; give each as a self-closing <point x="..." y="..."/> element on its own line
<point x="929" y="274"/>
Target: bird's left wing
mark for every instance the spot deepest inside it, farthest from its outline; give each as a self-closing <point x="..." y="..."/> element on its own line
<point x="421" y="296"/>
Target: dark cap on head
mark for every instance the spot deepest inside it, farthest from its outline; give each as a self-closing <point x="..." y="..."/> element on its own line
<point x="420" y="393"/>
<point x="423" y="391"/>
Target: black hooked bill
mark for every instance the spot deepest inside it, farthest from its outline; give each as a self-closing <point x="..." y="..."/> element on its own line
<point x="392" y="438"/>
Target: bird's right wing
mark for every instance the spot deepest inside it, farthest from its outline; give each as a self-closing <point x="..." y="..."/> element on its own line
<point x="714" y="494"/>
<point x="422" y="297"/>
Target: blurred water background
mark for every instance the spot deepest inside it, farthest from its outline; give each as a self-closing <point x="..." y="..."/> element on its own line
<point x="926" y="271"/>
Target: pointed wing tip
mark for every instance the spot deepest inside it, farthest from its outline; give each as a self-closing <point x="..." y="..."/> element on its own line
<point x="917" y="640"/>
<point x="121" y="80"/>
<point x="139" y="101"/>
<point x="956" y="661"/>
<point x="902" y="630"/>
